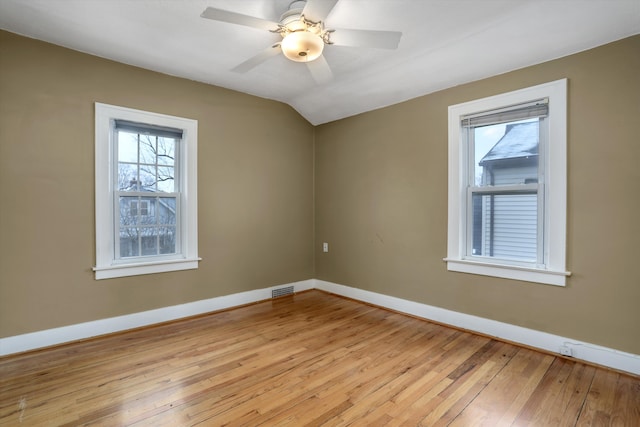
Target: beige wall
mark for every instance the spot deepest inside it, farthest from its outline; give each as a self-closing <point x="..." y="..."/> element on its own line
<point x="381" y="203"/>
<point x="380" y="196"/>
<point x="255" y="188"/>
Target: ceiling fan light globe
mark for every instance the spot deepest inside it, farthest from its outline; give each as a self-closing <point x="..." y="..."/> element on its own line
<point x="302" y="46"/>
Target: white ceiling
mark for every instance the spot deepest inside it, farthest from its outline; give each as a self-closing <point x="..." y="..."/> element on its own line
<point x="444" y="43"/>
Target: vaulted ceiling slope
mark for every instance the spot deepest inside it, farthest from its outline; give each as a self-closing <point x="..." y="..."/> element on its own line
<point x="444" y="43"/>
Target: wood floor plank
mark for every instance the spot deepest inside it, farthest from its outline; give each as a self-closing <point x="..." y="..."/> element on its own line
<point x="542" y="407"/>
<point x="613" y="399"/>
<point x="626" y="403"/>
<point x="500" y="402"/>
<point x="308" y="359"/>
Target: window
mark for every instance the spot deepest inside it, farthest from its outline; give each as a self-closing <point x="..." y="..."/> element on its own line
<point x="146" y="192"/>
<point x="133" y="208"/>
<point x="507" y="185"/>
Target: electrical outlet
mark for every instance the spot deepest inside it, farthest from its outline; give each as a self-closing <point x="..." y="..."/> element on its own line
<point x="325" y="247"/>
<point x="566" y="351"/>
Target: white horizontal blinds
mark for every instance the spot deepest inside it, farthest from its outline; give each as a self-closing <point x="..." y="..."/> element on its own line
<point x="147" y="129"/>
<point x="528" y="110"/>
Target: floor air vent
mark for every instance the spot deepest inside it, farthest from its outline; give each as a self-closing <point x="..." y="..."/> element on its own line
<point x="275" y="293"/>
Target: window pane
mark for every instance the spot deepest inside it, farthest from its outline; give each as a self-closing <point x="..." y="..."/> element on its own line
<point x="505" y="226"/>
<point x="128" y="211"/>
<point x="144" y="208"/>
<point x="167" y="240"/>
<point x="127" y="177"/>
<point x="148" y="149"/>
<point x="127" y="147"/>
<point x="147" y="211"/>
<point x="129" y="242"/>
<point x="506" y="153"/>
<point x="147" y="178"/>
<point x="149" y="240"/>
<point x="166" y="151"/>
<point x="166" y="182"/>
<point x="167" y="211"/>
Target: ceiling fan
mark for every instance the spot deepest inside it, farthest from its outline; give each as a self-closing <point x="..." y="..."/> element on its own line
<point x="304" y="35"/>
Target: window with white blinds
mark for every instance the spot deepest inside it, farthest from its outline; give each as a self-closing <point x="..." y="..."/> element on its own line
<point x="507" y="185"/>
<point x="505" y="188"/>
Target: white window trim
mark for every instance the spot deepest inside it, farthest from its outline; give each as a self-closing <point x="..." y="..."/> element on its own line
<point x="106" y="266"/>
<point x="554" y="272"/>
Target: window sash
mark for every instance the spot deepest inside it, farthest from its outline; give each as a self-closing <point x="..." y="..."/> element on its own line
<point x="141" y="166"/>
<point x="156" y="132"/>
<point x="468" y="123"/>
<point x="506" y="190"/>
<point x="140" y="206"/>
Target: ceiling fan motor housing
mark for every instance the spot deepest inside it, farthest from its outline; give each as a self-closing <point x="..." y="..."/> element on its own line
<point x="292" y="16"/>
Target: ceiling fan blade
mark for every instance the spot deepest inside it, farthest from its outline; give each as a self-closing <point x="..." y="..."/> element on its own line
<point x="238" y="18"/>
<point x="366" y="38"/>
<point x="318" y="10"/>
<point x="320" y="70"/>
<point x="258" y="59"/>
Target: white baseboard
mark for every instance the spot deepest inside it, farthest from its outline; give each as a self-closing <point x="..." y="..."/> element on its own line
<point x="588" y="352"/>
<point x="55" y="336"/>
<point x="592" y="353"/>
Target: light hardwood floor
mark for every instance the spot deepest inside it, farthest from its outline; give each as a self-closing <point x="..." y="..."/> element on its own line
<point x="308" y="359"/>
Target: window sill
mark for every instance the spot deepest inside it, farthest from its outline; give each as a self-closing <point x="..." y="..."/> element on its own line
<point x="547" y="276"/>
<point x="123" y="270"/>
